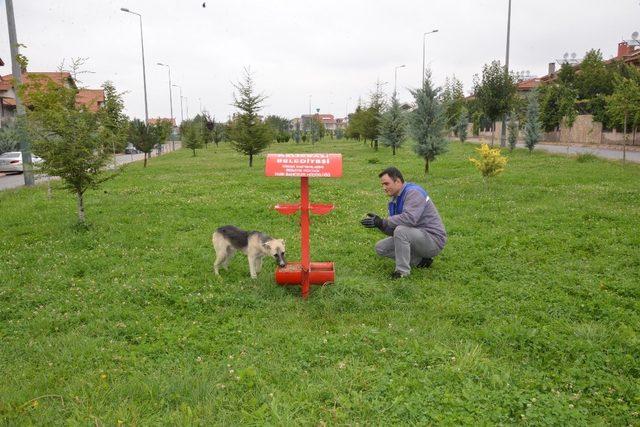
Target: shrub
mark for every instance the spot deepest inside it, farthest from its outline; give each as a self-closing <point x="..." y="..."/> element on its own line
<point x="490" y="163"/>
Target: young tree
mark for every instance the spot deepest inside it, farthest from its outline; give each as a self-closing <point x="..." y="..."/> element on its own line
<point x="494" y="93"/>
<point x="355" y="125"/>
<point x="143" y="137"/>
<point x="373" y="116"/>
<point x="453" y="100"/>
<point x="74" y="142"/>
<point x="532" y="129"/>
<point x="427" y="122"/>
<point x="315" y="128"/>
<point x="192" y="134"/>
<point x="490" y="163"/>
<point x="623" y="106"/>
<point x="392" y="126"/>
<point x="558" y="105"/>
<point x="514" y="128"/>
<point x="219" y="131"/>
<point x="462" y="125"/>
<point x="115" y="120"/>
<point x="208" y="124"/>
<point x="248" y="134"/>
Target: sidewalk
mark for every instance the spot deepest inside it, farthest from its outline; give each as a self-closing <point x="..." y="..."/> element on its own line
<point x="606" y="152"/>
<point x="17" y="180"/>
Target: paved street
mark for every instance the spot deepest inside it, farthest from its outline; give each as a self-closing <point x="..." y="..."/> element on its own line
<point x="8" y="181"/>
<point x="605" y="153"/>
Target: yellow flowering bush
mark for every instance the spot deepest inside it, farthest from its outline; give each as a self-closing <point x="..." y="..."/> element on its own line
<point x="490" y="163"/>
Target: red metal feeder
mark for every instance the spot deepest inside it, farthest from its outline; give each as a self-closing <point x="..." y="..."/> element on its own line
<point x="305" y="273"/>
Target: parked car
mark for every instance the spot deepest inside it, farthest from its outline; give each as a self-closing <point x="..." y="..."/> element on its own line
<point x="12" y="161"/>
<point x="130" y="149"/>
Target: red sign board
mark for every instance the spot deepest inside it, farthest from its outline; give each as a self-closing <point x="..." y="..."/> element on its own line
<point x="316" y="165"/>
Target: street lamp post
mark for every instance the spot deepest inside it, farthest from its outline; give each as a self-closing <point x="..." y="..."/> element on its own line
<point x="144" y="72"/>
<point x="310" y="104"/>
<point x="423" y="51"/>
<point x="27" y="165"/>
<point x="173" y="144"/>
<point x="186" y="103"/>
<point x="503" y="129"/>
<point x="181" y="114"/>
<point x="395" y="78"/>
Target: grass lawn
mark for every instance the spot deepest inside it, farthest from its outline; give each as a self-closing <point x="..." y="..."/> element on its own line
<point x="530" y="315"/>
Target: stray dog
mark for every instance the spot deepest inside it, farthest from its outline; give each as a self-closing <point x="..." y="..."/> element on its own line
<point x="254" y="244"/>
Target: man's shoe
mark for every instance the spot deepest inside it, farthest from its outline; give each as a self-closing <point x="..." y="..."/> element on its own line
<point x="425" y="263"/>
<point x="397" y="275"/>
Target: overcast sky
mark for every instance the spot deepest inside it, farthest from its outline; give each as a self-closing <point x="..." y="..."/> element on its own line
<point x="324" y="53"/>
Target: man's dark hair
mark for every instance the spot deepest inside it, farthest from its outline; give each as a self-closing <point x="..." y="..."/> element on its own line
<point x="393" y="172"/>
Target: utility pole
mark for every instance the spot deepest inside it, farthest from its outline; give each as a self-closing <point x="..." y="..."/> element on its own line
<point x="16" y="69"/>
<point x="503" y="130"/>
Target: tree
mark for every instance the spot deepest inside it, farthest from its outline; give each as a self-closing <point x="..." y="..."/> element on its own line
<point x="248" y="134"/>
<point x="462" y="125"/>
<point x="192" y="132"/>
<point x="9" y="137"/>
<point x="296" y="133"/>
<point x="392" y="126"/>
<point x="373" y="115"/>
<point x="623" y="106"/>
<point x="593" y="84"/>
<point x="494" y="92"/>
<point x="280" y="127"/>
<point x="532" y="130"/>
<point x="115" y="120"/>
<point x="219" y="131"/>
<point x="514" y="128"/>
<point x="355" y="125"/>
<point x="427" y="122"/>
<point x="453" y="99"/>
<point x="558" y="105"/>
<point x="74" y="142"/>
<point x="208" y="124"/>
<point x="143" y="137"/>
<point x="315" y="128"/>
<point x="490" y="163"/>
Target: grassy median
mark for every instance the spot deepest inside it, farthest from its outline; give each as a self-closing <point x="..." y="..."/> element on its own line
<point x="531" y="314"/>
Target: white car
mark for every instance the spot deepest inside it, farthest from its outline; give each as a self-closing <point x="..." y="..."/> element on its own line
<point x="12" y="161"/>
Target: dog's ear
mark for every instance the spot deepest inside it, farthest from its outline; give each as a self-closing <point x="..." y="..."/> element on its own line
<point x="266" y="247"/>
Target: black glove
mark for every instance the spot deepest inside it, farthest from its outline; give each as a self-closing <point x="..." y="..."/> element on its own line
<point x="372" y="220"/>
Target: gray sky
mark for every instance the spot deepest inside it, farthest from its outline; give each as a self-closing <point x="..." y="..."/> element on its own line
<point x="332" y="51"/>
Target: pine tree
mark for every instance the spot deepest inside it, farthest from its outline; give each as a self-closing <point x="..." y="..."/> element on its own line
<point x="392" y="126"/>
<point x="533" y="128"/>
<point x="514" y="128"/>
<point x="248" y="134"/>
<point x="427" y="122"/>
<point x="462" y="125"/>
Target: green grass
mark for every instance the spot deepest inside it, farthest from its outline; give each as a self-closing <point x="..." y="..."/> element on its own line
<point x="530" y="315"/>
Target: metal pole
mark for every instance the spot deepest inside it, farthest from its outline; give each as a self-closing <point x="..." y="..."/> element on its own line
<point x="144" y="70"/>
<point x="181" y="115"/>
<point x="395" y="77"/>
<point x="186" y="103"/>
<point x="27" y="165"/>
<point x="310" y="103"/>
<point x="423" y="52"/>
<point x="304" y="234"/>
<point x="503" y="130"/>
<point x="144" y="75"/>
<point x="173" y="144"/>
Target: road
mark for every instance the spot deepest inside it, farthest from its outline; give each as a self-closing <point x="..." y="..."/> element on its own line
<point x="605" y="153"/>
<point x="8" y="181"/>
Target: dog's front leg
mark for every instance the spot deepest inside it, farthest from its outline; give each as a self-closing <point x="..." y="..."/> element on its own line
<point x="258" y="264"/>
<point x="252" y="265"/>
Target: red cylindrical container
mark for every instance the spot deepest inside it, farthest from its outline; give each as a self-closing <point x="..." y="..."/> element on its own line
<point x="321" y="273"/>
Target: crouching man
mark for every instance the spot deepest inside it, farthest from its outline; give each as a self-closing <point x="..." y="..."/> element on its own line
<point x="418" y="234"/>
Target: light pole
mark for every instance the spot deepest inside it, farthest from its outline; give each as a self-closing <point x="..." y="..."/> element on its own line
<point x="27" y="166"/>
<point x="310" y="104"/>
<point x="181" y="115"/>
<point x="186" y="103"/>
<point x="200" y="104"/>
<point x="395" y="77"/>
<point x="423" y="50"/>
<point x="503" y="130"/>
<point x="346" y="112"/>
<point x="144" y="71"/>
<point x="173" y="144"/>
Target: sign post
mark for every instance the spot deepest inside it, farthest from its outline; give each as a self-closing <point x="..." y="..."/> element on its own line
<point x="305" y="273"/>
